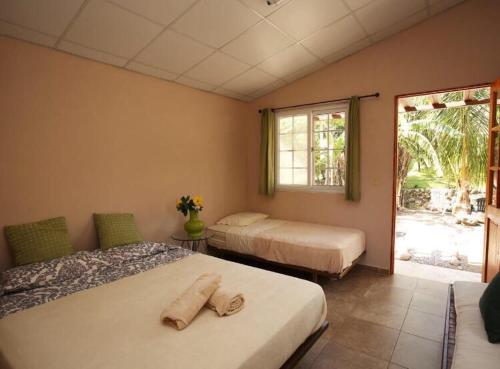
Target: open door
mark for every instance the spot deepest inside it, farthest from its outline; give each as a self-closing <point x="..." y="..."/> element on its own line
<point x="491" y="265"/>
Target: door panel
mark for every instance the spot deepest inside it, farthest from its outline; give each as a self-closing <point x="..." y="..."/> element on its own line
<point x="491" y="265"/>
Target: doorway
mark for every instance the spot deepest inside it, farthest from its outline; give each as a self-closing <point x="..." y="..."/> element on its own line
<point x="441" y="154"/>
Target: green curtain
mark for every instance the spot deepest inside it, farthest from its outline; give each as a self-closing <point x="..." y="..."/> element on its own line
<point x="267" y="153"/>
<point x="352" y="192"/>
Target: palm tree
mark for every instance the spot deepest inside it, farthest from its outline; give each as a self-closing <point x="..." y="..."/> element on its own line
<point x="414" y="143"/>
<point x="453" y="141"/>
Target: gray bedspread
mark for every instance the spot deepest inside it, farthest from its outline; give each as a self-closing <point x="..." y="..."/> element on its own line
<point x="34" y="284"/>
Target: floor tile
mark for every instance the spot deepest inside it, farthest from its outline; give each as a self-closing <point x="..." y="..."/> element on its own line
<point x="438" y="289"/>
<point x="424" y="325"/>
<point x="335" y="356"/>
<point x="395" y="366"/>
<point x="388" y="315"/>
<point x="413" y="352"/>
<point x="371" y="339"/>
<point x="399" y="281"/>
<point x="391" y="295"/>
<point x="429" y="303"/>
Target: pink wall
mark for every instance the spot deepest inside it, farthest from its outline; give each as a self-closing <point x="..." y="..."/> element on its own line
<point x="78" y="137"/>
<point x="457" y="48"/>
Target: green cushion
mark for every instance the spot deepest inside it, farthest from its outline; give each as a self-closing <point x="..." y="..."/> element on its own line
<point x="489" y="304"/>
<point x="116" y="230"/>
<point x="39" y="241"/>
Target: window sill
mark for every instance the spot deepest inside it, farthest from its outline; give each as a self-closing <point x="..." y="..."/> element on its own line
<point x="309" y="189"/>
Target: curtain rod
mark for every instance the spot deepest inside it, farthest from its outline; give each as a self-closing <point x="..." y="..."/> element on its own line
<point x="376" y="94"/>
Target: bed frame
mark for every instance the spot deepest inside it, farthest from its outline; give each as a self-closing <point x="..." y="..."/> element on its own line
<point x="219" y="252"/>
<point x="449" y="330"/>
<point x="305" y="347"/>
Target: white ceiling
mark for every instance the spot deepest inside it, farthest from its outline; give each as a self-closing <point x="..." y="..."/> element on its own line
<point x="239" y="48"/>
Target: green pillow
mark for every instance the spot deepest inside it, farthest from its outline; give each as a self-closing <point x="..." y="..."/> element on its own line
<point x="39" y="241"/>
<point x="116" y="230"/>
<point x="489" y="304"/>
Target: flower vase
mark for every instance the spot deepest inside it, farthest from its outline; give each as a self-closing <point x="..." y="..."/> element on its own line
<point x="194" y="226"/>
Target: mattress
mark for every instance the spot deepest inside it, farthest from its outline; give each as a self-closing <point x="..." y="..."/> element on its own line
<point x="472" y="349"/>
<point x="314" y="246"/>
<point x="117" y="324"/>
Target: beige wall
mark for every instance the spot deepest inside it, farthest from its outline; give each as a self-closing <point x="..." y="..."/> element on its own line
<point x="78" y="137"/>
<point x="457" y="48"/>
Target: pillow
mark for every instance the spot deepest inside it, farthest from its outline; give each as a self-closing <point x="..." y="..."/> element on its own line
<point x="116" y="230"/>
<point x="39" y="241"/>
<point x="489" y="304"/>
<point x="242" y="219"/>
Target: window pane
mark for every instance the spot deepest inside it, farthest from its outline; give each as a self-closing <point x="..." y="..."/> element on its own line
<point x="286" y="125"/>
<point x="321" y="122"/>
<point x="300" y="159"/>
<point x="300" y="176"/>
<point x="300" y="141"/>
<point x="321" y="140"/>
<point x="300" y="124"/>
<point x="286" y="159"/>
<point x="337" y="140"/>
<point x="286" y="142"/>
<point x="338" y="168"/>
<point x="286" y="176"/>
<point x="337" y="121"/>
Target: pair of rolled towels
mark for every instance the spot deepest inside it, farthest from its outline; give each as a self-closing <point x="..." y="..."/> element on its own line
<point x="205" y="291"/>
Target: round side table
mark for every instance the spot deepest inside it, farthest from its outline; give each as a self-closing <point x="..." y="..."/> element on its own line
<point x="192" y="243"/>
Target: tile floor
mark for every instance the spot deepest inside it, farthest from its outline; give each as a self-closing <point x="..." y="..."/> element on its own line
<point x="380" y="321"/>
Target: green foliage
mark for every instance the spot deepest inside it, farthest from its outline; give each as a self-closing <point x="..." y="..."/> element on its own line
<point x="451" y="141"/>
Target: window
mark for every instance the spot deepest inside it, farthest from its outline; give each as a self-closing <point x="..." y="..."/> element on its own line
<point x="311" y="149"/>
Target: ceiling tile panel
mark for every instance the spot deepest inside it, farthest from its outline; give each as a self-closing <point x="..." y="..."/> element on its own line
<point x="152" y="71"/>
<point x="21" y="33"/>
<point x="195" y="84"/>
<point x="288" y="61"/>
<point x="400" y="26"/>
<point x="381" y="14"/>
<point x="160" y="11"/>
<point x="173" y="52"/>
<point x="262" y="7"/>
<point x="304" y="71"/>
<point x="300" y="18"/>
<point x="91" y="54"/>
<point x="234" y="95"/>
<point x="215" y="22"/>
<point x="258" y="43"/>
<point x="335" y="37"/>
<point x="217" y="69"/>
<point x="267" y="89"/>
<point x="249" y="82"/>
<point x="347" y="51"/>
<point x="356" y="4"/>
<point x="106" y="27"/>
<point x="48" y="16"/>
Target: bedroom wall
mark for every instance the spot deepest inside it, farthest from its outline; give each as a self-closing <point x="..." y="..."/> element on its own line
<point x="456" y="48"/>
<point x="78" y="137"/>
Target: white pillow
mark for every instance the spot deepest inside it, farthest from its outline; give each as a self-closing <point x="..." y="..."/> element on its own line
<point x="242" y="219"/>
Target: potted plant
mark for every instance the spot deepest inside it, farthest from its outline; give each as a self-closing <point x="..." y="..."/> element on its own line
<point x="194" y="226"/>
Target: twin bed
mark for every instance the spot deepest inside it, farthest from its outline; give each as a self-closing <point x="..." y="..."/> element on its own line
<point x="317" y="248"/>
<point x="101" y="309"/>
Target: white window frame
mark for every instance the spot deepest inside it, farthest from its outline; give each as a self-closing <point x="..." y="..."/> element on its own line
<point x="317" y="109"/>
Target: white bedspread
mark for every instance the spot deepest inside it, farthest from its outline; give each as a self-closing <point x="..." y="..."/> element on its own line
<point x="117" y="325"/>
<point x="472" y="349"/>
<point x="314" y="246"/>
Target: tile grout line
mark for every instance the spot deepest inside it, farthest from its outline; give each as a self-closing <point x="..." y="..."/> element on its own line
<point x="71" y="23"/>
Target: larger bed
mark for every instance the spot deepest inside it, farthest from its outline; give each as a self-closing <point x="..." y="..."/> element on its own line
<point x="318" y="248"/>
<point x="107" y="315"/>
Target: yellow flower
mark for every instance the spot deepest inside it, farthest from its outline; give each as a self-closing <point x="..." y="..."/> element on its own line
<point x="198" y="200"/>
<point x="178" y="202"/>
